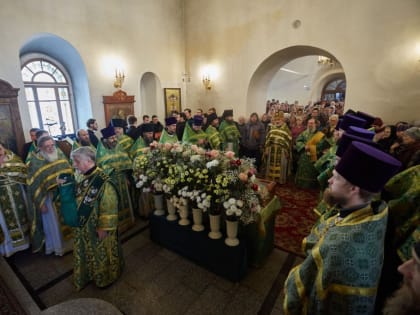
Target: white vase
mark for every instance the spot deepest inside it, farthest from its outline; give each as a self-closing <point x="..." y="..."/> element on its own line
<point x="215" y="227"/>
<point x="232" y="233"/>
<point x="158" y="201"/>
<point x="183" y="214"/>
<point x="198" y="220"/>
<point x="171" y="211"/>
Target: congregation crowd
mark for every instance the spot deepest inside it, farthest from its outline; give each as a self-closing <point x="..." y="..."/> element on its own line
<point x="367" y="173"/>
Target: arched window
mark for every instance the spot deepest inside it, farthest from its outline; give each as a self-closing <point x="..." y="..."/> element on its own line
<point x="334" y="90"/>
<point x="48" y="93"/>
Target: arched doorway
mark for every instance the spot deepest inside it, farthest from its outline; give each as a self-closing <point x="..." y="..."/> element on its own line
<point x="150" y="95"/>
<point x="262" y="78"/>
<point x="334" y="90"/>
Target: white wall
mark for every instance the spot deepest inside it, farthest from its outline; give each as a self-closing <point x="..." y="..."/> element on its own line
<point x="375" y="41"/>
<point x="146" y="35"/>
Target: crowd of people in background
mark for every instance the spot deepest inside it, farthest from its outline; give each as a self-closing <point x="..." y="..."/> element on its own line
<point x="287" y="142"/>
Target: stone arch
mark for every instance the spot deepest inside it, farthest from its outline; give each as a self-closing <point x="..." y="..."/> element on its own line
<point x="264" y="73"/>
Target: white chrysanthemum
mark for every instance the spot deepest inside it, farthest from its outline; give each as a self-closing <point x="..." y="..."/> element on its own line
<point x="226" y="205"/>
<point x="230" y="212"/>
<point x="238" y="212"/>
<point x="232" y="201"/>
<point x="239" y="203"/>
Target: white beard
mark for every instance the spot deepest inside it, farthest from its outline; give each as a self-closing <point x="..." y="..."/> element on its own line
<point x="50" y="157"/>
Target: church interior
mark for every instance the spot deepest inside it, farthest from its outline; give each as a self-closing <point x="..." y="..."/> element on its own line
<point x="176" y="54"/>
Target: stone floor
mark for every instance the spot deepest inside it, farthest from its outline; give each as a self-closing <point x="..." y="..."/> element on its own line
<point x="156" y="281"/>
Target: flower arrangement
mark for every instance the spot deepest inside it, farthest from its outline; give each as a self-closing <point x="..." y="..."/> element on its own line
<point x="213" y="181"/>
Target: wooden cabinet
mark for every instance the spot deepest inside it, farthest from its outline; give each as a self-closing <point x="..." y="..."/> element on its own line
<point x="118" y="105"/>
<point x="11" y="132"/>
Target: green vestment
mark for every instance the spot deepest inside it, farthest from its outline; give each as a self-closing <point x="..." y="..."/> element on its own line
<point x="117" y="162"/>
<point x="191" y="136"/>
<point x="344" y="260"/>
<point x="214" y="138"/>
<point x="13" y="203"/>
<point x="125" y="142"/>
<point x="403" y="194"/>
<point x="165" y="137"/>
<point x="42" y="181"/>
<point x="306" y="174"/>
<point x="230" y="136"/>
<point x="100" y="261"/>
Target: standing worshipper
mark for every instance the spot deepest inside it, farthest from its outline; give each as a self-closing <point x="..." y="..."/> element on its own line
<point x="14" y="223"/>
<point x="143" y="142"/>
<point x="344" y="251"/>
<point x="43" y="168"/>
<point x="278" y="150"/>
<point x="195" y="134"/>
<point x="306" y="142"/>
<point x="116" y="163"/>
<point x="405" y="301"/>
<point x="169" y="133"/>
<point x="229" y="133"/>
<point x="253" y="139"/>
<point x="157" y="127"/>
<point x="30" y="146"/>
<point x="124" y="141"/>
<point x="82" y="140"/>
<point x="132" y="127"/>
<point x="92" y="127"/>
<point x="212" y="132"/>
<point x="97" y="253"/>
<point x="180" y="125"/>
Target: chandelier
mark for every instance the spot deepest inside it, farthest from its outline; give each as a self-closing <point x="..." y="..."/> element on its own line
<point x="326" y="61"/>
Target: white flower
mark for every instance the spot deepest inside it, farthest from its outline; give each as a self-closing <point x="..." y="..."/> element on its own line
<point x="238" y="212"/>
<point x="239" y="203"/>
<point x="229" y="212"/>
<point x="232" y="201"/>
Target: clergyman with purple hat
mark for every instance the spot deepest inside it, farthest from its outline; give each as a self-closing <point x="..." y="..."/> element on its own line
<point x="345" y="249"/>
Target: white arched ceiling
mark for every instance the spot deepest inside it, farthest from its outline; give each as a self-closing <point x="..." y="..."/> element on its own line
<point x="151" y="98"/>
<point x="265" y="72"/>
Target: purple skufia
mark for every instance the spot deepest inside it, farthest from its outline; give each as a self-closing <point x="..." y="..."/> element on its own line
<point x="170" y="121"/>
<point x="360" y="132"/>
<point x="369" y="118"/>
<point x="367" y="167"/>
<point x="352" y="120"/>
<point x="198" y="120"/>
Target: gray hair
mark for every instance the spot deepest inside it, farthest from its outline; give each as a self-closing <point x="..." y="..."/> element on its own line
<point x="44" y="139"/>
<point x="84" y="153"/>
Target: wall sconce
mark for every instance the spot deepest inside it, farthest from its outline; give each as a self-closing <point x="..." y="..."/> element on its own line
<point x="119" y="79"/>
<point x="207" y="82"/>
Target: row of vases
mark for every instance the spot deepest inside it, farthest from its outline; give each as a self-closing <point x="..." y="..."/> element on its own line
<point x="231" y="226"/>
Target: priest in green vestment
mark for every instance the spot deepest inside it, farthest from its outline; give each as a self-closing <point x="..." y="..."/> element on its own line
<point x="125" y="142"/>
<point x="93" y="207"/>
<point x="305" y="147"/>
<point x="116" y="163"/>
<point x="168" y="134"/>
<point x="345" y="249"/>
<point x="229" y="133"/>
<point x="143" y="142"/>
<point x="213" y="135"/>
<point x="14" y="223"/>
<point x="47" y="227"/>
<point x="195" y="134"/>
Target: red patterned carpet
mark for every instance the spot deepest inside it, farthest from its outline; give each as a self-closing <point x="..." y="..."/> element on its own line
<point x="295" y="218"/>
